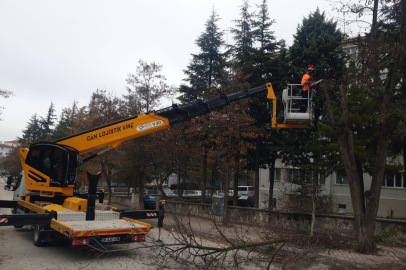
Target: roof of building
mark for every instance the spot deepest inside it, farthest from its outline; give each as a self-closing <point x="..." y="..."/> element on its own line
<point x="5" y="145"/>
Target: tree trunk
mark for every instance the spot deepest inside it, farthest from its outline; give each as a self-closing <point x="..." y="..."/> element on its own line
<point x="141" y="191"/>
<point x="404" y="157"/>
<point x="313" y="215"/>
<point x="204" y="175"/>
<point x="181" y="184"/>
<point x="256" y="182"/>
<point x="109" y="189"/>
<point x="227" y="183"/>
<point x="226" y="188"/>
<point x="365" y="205"/>
<point x="133" y="200"/>
<point x="235" y="182"/>
<point x="271" y="183"/>
<point x="366" y="233"/>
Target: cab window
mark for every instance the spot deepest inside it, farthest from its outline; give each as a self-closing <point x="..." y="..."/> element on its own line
<point x="49" y="160"/>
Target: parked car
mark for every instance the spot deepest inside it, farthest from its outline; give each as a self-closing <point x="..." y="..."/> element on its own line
<point x="245" y="201"/>
<point x="246" y="190"/>
<point x="150" y="201"/>
<point x="192" y="193"/>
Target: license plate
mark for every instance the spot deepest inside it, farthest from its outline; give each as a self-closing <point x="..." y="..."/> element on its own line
<point x="110" y="239"/>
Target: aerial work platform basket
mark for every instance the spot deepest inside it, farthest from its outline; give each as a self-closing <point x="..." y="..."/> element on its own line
<point x="297" y="109"/>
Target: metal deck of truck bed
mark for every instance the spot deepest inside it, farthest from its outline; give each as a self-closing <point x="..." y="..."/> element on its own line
<point x="101" y="227"/>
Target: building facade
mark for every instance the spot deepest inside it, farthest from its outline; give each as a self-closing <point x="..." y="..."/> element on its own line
<point x="333" y="190"/>
<point x="5" y="148"/>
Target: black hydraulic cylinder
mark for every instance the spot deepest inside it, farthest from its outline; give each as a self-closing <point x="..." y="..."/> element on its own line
<point x="27" y="219"/>
<point x="177" y="114"/>
<point x="8" y="204"/>
<point x="100" y="195"/>
<point x="91" y="198"/>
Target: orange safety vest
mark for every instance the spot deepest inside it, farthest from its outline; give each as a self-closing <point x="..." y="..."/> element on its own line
<point x="305" y="78"/>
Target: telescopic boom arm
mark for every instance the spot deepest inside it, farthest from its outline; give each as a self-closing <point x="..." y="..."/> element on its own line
<point x="114" y="134"/>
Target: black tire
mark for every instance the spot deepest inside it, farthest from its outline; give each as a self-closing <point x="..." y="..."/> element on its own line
<point x="38" y="236"/>
<point x="18" y="226"/>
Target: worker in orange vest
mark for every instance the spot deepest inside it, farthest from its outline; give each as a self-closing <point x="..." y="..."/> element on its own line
<point x="307" y="82"/>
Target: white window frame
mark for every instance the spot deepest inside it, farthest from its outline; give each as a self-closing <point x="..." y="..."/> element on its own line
<point x="277" y="171"/>
<point x="322" y="176"/>
<point x="402" y="181"/>
<point x="342" y="182"/>
<point x="290" y="173"/>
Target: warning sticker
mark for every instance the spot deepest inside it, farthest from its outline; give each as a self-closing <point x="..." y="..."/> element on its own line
<point x="150" y="125"/>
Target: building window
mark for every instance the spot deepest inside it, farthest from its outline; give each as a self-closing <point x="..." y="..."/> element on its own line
<point x="322" y="178"/>
<point x="295" y="176"/>
<point x="277" y="174"/>
<point x="394" y="181"/>
<point x="341" y="180"/>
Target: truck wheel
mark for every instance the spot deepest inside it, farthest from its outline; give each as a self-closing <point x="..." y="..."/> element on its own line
<point x="18" y="226"/>
<point x="38" y="236"/>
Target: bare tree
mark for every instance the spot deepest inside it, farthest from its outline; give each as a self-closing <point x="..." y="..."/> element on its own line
<point x="4" y="94"/>
<point x="225" y="248"/>
<point x="379" y="71"/>
<point x="11" y="162"/>
<point x="147" y="86"/>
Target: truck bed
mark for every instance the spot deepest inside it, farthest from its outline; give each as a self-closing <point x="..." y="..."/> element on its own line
<point x="100" y="227"/>
<point x="107" y="222"/>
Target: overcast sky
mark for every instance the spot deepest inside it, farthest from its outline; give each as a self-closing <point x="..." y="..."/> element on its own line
<point x="61" y="51"/>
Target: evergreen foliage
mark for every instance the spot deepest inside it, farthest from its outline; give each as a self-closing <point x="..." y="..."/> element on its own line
<point x="34" y="131"/>
<point x="66" y="120"/>
<point x="317" y="42"/>
<point x="204" y="72"/>
<point x="48" y="122"/>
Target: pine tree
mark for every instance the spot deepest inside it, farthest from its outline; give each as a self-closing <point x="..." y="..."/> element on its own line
<point x="243" y="50"/>
<point x="243" y="33"/>
<point x="33" y="132"/>
<point x="48" y="122"/>
<point x="316" y="42"/>
<point x="255" y="54"/>
<point x="204" y="71"/>
<point x="66" y="120"/>
<point x="265" y="45"/>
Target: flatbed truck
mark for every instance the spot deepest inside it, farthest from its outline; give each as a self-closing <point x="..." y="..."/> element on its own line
<point x="43" y="194"/>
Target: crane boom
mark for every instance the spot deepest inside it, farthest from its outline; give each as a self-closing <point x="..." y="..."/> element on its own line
<point x="51" y="167"/>
<point x="114" y="134"/>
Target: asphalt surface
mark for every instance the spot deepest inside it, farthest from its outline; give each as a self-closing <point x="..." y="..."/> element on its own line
<point x="17" y="251"/>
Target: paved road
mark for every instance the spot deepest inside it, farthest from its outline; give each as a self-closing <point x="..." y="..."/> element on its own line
<point x="18" y="252"/>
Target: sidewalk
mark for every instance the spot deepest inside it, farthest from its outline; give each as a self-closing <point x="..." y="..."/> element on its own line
<point x="317" y="258"/>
